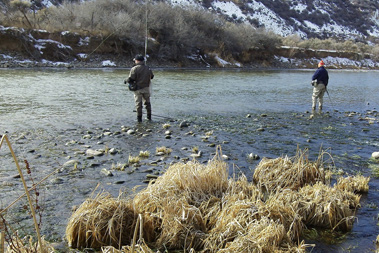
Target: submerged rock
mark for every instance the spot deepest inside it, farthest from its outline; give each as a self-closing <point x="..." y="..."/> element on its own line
<point x="183" y="124"/>
<point x="253" y="156"/>
<point x="107" y="172"/>
<point x="91" y="152"/>
<point x="70" y="163"/>
<point x="112" y="151"/>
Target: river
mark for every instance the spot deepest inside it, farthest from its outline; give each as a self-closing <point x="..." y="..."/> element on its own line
<point x="48" y="112"/>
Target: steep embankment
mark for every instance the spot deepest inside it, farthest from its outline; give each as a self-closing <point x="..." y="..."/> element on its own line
<point x="36" y="48"/>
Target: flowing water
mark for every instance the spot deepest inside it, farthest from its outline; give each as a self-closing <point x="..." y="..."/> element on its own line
<point x="46" y="113"/>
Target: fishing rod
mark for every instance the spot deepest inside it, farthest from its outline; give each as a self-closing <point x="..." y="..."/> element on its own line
<point x="164" y="117"/>
<point x="146" y="12"/>
<point x="327" y="92"/>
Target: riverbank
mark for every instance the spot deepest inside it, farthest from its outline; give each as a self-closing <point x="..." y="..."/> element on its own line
<point x="21" y="48"/>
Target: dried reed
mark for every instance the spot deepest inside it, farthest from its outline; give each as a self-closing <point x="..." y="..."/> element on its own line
<point x="284" y="172"/>
<point x="356" y="184"/>
<point x="26" y="245"/>
<point x="101" y="221"/>
<point x="196" y="206"/>
<point x="164" y="150"/>
<point x="172" y="205"/>
<point x="329" y="207"/>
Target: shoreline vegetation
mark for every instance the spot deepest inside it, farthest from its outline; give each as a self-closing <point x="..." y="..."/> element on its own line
<point x="78" y="35"/>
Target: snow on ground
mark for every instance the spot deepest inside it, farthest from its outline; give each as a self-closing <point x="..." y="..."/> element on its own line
<point x="300" y="7"/>
<point x="229" y="8"/>
<point x="47" y="3"/>
<point x="84" y="42"/>
<point x="82" y="56"/>
<point x="184" y="3"/>
<point x="56" y="64"/>
<point x="335" y="62"/>
<point x="40" y="44"/>
<point x="224" y="63"/>
<point x="108" y="63"/>
<point x="270" y="19"/>
<point x="6" y="56"/>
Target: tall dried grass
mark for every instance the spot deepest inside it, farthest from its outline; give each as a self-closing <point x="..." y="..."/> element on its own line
<point x="285" y="172"/>
<point x="198" y="207"/>
<point x="101" y="221"/>
<point x="356" y="184"/>
<point x="330" y="207"/>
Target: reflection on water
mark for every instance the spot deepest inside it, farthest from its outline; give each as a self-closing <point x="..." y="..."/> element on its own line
<point x="55" y="97"/>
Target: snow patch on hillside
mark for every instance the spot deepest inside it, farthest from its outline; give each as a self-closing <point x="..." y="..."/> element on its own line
<point x="299" y="7"/>
<point x="184" y="3"/>
<point x="270" y="19"/>
<point x="229" y="8"/>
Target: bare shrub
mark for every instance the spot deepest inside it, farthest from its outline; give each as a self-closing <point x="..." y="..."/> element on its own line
<point x="375" y="52"/>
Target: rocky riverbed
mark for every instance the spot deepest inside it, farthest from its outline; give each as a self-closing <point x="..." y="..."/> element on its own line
<point x="87" y="159"/>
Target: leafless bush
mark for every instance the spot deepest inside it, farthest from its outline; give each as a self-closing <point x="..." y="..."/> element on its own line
<point x="375" y="52"/>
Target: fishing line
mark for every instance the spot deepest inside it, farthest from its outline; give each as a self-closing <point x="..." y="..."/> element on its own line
<point x="159" y="116"/>
<point x="146" y="12"/>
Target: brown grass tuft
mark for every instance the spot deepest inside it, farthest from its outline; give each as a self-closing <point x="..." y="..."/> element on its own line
<point x="356" y="184"/>
<point x="101" y="221"/>
<point x="292" y="173"/>
<point x="198" y="207"/>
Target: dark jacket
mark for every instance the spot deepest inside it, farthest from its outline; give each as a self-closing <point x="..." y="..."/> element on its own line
<point x="141" y="74"/>
<point x="321" y="75"/>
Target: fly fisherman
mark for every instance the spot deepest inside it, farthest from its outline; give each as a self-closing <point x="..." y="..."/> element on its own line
<point x="141" y="75"/>
<point x="319" y="82"/>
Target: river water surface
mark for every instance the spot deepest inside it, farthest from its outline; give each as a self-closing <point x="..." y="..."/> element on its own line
<point x="47" y="115"/>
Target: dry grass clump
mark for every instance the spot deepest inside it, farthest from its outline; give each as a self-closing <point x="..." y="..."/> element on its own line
<point x="119" y="166"/>
<point x="101" y="221"/>
<point x="144" y="154"/>
<point x="281" y="207"/>
<point x="172" y="205"/>
<point x="138" y="248"/>
<point x="197" y="206"/>
<point x="134" y="159"/>
<point x="166" y="126"/>
<point x="26" y="245"/>
<point x="164" y="150"/>
<point x="356" y="184"/>
<point x="330" y="207"/>
<point x="284" y="172"/>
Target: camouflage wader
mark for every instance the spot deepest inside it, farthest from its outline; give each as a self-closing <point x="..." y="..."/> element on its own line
<point x="142" y="95"/>
<point x="318" y="93"/>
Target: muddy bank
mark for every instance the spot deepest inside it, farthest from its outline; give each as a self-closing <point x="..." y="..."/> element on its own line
<point x="349" y="137"/>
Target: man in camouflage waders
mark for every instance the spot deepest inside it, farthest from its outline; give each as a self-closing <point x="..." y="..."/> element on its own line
<point x="141" y="75"/>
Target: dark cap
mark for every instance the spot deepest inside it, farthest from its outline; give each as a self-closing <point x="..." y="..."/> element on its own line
<point x="139" y="57"/>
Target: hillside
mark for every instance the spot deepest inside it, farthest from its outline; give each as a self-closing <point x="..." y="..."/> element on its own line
<point x="358" y="19"/>
<point x="187" y="33"/>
